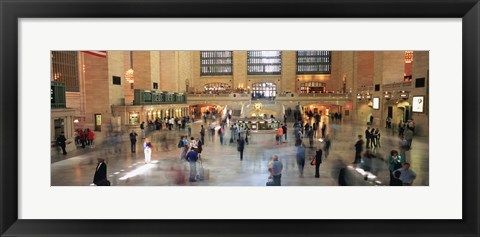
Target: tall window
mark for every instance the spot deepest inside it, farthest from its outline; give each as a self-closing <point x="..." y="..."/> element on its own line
<point x="313" y="62"/>
<point x="216" y="63"/>
<point x="65" y="69"/>
<point x="264" y="62"/>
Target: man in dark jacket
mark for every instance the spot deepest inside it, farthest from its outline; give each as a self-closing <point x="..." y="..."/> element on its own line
<point x="368" y="136"/>
<point x="241" y="146"/>
<point x="61" y="141"/>
<point x="100" y="177"/>
<point x="358" y="150"/>
<point x="133" y="141"/>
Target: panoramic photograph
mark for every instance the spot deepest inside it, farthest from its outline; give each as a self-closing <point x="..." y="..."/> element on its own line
<point x="239" y="118"/>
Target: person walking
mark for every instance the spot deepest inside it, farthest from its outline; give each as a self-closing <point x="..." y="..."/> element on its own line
<point x="327" y="143"/>
<point x="324" y="128"/>
<point x="241" y="146"/>
<point x="276" y="171"/>
<point x="395" y="162"/>
<point x="403" y="145"/>
<point x="61" y="141"/>
<point x="142" y="128"/>
<point x="318" y="161"/>
<point x="300" y="159"/>
<point x="368" y="137"/>
<point x="202" y="134"/>
<point x="408" y="134"/>
<point x="199" y="148"/>
<point x="221" y="134"/>
<point x="284" y="128"/>
<point x="310" y="137"/>
<point x="189" y="128"/>
<point x="192" y="158"/>
<point x="279" y="136"/>
<point x="91" y="137"/>
<point x="373" y="139"/>
<point x="147" y="145"/>
<point x="358" y="150"/>
<point x="100" y="176"/>
<point x="133" y="141"/>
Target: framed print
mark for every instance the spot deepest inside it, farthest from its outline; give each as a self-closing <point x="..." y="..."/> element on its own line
<point x="376" y="103"/>
<point x="418" y="104"/>
<point x="260" y="55"/>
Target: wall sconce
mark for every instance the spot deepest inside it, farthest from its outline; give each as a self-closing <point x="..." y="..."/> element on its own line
<point x="359" y="97"/>
<point x="387" y="95"/>
<point x="403" y="95"/>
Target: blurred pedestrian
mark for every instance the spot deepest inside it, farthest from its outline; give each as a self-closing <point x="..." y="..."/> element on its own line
<point x="318" y="161"/>
<point x="407" y="176"/>
<point x="396" y="179"/>
<point x="147" y="145"/>
<point x="142" y="129"/>
<point x="358" y="150"/>
<point x="300" y="159"/>
<point x="91" y="138"/>
<point x="202" y="134"/>
<point x="100" y="176"/>
<point x="327" y="143"/>
<point x="133" y="141"/>
<point x="192" y="158"/>
<point x="395" y="162"/>
<point x="241" y="146"/>
<point x="277" y="168"/>
<point x="324" y="128"/>
<point x="403" y="145"/>
<point x="61" y="141"/>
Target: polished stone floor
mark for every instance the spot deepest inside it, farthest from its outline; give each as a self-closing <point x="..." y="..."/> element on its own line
<point x="222" y="161"/>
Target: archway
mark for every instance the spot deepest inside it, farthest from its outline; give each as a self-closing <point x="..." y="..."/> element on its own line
<point x="216" y="87"/>
<point x="264" y="90"/>
<point x="312" y="87"/>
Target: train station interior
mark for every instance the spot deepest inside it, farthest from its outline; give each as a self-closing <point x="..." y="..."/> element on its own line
<point x="235" y="95"/>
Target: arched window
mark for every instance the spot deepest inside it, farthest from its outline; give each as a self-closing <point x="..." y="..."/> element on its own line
<point x="216" y="87"/>
<point x="312" y="87"/>
<point x="264" y="90"/>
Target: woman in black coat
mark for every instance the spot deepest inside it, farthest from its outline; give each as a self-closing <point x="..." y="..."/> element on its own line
<point x="318" y="161"/>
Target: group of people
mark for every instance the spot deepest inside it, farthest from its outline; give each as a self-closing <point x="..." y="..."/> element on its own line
<point x="84" y="137"/>
<point x="373" y="138"/>
<point x="399" y="169"/>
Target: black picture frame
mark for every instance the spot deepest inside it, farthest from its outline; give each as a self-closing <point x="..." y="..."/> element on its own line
<point x="11" y="11"/>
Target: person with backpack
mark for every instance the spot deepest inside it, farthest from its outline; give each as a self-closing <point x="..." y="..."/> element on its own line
<point x="192" y="158"/>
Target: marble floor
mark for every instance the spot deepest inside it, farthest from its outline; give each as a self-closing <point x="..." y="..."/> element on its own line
<point x="224" y="165"/>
